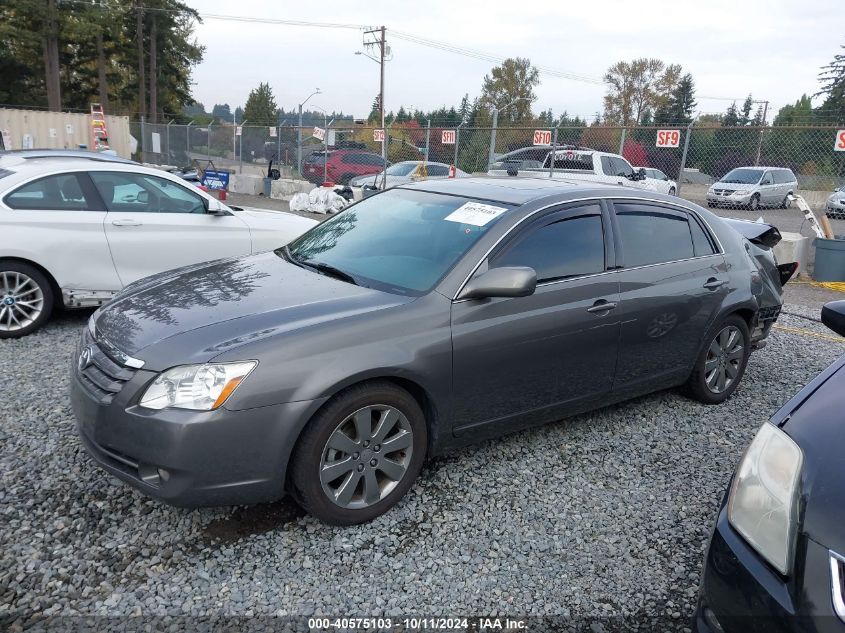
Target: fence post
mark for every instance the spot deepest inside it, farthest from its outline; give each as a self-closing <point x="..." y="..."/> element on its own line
<point x="279" y="149"/>
<point x="142" y="139"/>
<point x="208" y="143"/>
<point x="457" y="144"/>
<point x="427" y="137"/>
<point x="684" y="158"/>
<point x="188" y="140"/>
<point x="622" y="141"/>
<point x="554" y="153"/>
<point x="241" y="147"/>
<point x="492" y="139"/>
<point x="168" y="140"/>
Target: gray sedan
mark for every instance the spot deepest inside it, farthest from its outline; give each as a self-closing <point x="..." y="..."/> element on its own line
<point x="422" y="318"/>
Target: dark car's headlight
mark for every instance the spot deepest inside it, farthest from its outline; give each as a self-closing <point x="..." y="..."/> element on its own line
<point x="197" y="387"/>
<point x="763" y="502"/>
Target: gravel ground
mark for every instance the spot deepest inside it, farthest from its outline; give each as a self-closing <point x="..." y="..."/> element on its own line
<point x="605" y="514"/>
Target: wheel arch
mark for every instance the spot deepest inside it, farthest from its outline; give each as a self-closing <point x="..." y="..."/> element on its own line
<point x="54" y="285"/>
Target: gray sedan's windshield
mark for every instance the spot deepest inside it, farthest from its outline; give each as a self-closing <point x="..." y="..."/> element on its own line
<point x="399" y="241"/>
<point x="743" y="176"/>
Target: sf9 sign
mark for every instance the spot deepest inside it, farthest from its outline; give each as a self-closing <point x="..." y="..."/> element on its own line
<point x="668" y="138"/>
<point x="839" y="145"/>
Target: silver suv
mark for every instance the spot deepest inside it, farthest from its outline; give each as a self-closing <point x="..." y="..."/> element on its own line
<point x="753" y="187"/>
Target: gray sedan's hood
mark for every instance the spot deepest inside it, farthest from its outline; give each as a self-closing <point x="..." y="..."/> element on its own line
<point x="196" y="313"/>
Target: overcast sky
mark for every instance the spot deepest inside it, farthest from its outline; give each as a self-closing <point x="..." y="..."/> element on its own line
<point x="770" y="48"/>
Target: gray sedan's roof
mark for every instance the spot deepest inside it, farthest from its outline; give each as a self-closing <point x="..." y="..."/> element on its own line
<point x="510" y="189"/>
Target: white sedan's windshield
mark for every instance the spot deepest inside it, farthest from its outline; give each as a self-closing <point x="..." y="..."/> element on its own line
<point x="399" y="241"/>
<point x="400" y="169"/>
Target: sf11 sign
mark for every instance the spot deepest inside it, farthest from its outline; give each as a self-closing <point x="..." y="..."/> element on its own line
<point x="378" y="136"/>
<point x="319" y="133"/>
<point x="448" y="137"/>
<point x="542" y="137"/>
<point x="839" y="145"/>
<point x="668" y="138"/>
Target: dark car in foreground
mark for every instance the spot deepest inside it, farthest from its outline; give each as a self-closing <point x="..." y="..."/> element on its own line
<point x="425" y="317"/>
<point x="776" y="560"/>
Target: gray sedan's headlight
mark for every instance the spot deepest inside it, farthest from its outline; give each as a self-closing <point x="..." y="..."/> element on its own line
<point x="197" y="387"/>
<point x="763" y="502"/>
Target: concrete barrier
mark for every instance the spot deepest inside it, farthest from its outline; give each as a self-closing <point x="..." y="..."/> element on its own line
<point x="793" y="247"/>
<point x="286" y="188"/>
<point x="246" y="183"/>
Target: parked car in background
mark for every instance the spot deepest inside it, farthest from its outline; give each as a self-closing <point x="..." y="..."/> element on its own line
<point x="432" y="315"/>
<point x="835" y="205"/>
<point x="753" y="187"/>
<point x="74" y="231"/>
<point x="571" y="163"/>
<point x="341" y="165"/>
<point x="408" y="171"/>
<point x="660" y="181"/>
<point x="776" y="559"/>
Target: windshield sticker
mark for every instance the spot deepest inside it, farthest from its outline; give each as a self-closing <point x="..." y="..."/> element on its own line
<point x="475" y="213"/>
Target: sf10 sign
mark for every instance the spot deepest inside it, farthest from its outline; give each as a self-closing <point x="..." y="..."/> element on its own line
<point x="378" y="136"/>
<point x="448" y="137"/>
<point x="839" y="145"/>
<point x="542" y="137"/>
<point x="668" y="138"/>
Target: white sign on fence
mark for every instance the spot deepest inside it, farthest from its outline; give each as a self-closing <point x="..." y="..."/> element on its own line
<point x="272" y="132"/>
<point x="238" y="130"/>
<point x="378" y="136"/>
<point x="319" y="133"/>
<point x="26" y="141"/>
<point x="52" y="132"/>
<point x="839" y="146"/>
<point x="156" y="137"/>
<point x="448" y="137"/>
<point x="69" y="129"/>
<point x="542" y="137"/>
<point x="668" y="138"/>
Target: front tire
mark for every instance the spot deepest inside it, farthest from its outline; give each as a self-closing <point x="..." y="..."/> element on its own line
<point x="787" y="203"/>
<point x="26" y="299"/>
<point x="754" y="203"/>
<point x="360" y="454"/>
<point x="671" y="191"/>
<point x="721" y="363"/>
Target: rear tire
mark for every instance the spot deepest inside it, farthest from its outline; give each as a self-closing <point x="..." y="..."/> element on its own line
<point x="721" y="363"/>
<point x="26" y="299"/>
<point x="342" y="470"/>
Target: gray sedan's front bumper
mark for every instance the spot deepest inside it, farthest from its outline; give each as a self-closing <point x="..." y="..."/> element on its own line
<point x="189" y="458"/>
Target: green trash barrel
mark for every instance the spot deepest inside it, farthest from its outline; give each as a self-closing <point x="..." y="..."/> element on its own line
<point x="830" y="260"/>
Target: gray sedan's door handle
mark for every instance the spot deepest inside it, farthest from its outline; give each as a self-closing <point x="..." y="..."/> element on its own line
<point x="713" y="283"/>
<point x="126" y="222"/>
<point x="601" y="306"/>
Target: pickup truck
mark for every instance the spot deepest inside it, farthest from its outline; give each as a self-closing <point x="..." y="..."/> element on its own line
<point x="571" y="163"/>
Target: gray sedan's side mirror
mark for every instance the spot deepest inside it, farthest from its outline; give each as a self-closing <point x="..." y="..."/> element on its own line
<point x="508" y="281"/>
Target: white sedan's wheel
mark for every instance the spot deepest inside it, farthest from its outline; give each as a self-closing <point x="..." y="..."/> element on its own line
<point x="26" y="299"/>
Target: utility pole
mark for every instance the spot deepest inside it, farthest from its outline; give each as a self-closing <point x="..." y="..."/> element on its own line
<point x="381" y="42"/>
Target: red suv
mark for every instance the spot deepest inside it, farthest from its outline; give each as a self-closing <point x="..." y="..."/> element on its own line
<point x="342" y="165"/>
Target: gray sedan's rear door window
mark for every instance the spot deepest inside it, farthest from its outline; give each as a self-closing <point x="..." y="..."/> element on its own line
<point x="652" y="235"/>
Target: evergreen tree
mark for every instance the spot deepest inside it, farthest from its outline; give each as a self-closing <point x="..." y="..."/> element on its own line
<point x="832" y="77"/>
<point x="260" y="108"/>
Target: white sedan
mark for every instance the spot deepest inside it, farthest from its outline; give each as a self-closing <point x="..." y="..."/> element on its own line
<point x="77" y="230"/>
<point x="407" y="171"/>
<point x="659" y="181"/>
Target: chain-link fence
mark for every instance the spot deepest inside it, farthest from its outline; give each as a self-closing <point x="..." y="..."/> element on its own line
<point x="343" y="153"/>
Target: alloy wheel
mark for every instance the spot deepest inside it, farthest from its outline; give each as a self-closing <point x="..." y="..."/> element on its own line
<point x="754" y="204"/>
<point x="366" y="456"/>
<point x="21" y="300"/>
<point x="724" y="359"/>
